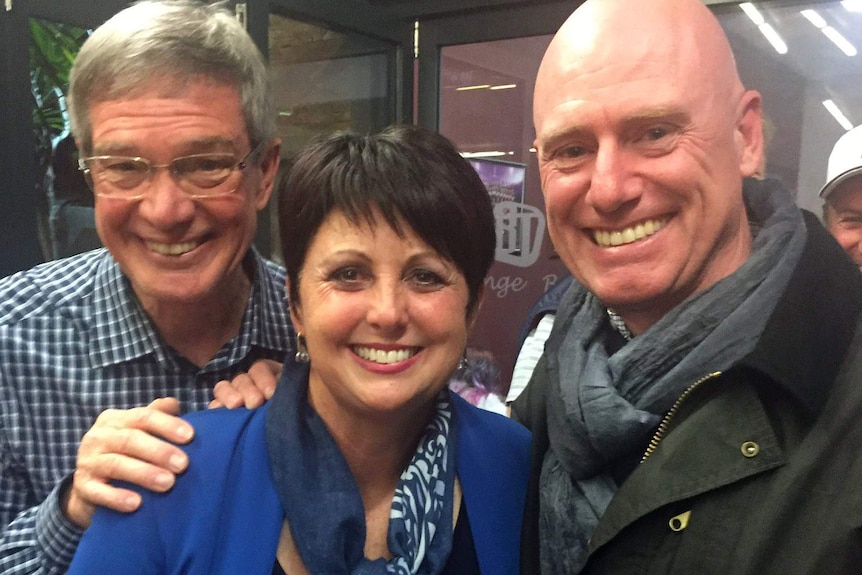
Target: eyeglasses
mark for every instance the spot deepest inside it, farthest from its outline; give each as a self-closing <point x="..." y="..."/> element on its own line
<point x="198" y="175"/>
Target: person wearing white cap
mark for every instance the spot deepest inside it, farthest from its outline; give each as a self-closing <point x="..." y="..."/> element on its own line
<point x="842" y="193"/>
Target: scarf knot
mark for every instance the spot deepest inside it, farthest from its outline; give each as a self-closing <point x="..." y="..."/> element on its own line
<point x="321" y="499"/>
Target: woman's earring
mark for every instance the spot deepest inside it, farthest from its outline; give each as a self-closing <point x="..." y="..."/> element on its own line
<point x="463" y="364"/>
<point x="301" y="351"/>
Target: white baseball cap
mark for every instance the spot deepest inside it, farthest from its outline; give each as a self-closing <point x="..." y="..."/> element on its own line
<point x="845" y="161"/>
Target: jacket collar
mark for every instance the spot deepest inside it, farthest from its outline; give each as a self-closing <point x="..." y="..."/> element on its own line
<point x="808" y="334"/>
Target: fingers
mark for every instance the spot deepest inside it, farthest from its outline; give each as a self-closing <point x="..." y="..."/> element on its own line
<point x="97" y="493"/>
<point x="129" y="454"/>
<point x="227" y="395"/>
<point x="126" y="445"/>
<point x="265" y="374"/>
<point x="169" y="405"/>
<point x="158" y="419"/>
<point x="250" y="389"/>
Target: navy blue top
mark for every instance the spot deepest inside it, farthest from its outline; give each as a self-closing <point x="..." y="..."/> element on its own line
<point x="462" y="561"/>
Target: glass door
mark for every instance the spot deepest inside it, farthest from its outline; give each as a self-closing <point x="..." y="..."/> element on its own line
<point x="325" y="78"/>
<point x="37" y="181"/>
<point x="803" y="57"/>
<point x="476" y="77"/>
<point x="65" y="221"/>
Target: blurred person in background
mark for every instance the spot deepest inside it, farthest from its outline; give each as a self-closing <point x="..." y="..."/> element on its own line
<point x="842" y="194"/>
<point x="478" y="381"/>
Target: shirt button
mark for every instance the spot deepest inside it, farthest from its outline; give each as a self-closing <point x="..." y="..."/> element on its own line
<point x="750" y="449"/>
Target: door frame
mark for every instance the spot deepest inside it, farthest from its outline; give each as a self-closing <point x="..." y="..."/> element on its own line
<point x="380" y="24"/>
<point x="499" y="24"/>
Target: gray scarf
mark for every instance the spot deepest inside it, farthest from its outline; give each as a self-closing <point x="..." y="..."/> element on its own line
<point x="600" y="408"/>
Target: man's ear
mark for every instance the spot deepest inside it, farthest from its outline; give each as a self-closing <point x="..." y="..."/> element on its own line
<point x="749" y="135"/>
<point x="269" y="161"/>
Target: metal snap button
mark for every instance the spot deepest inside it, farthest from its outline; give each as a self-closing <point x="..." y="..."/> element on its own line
<point x="679" y="522"/>
<point x="750" y="449"/>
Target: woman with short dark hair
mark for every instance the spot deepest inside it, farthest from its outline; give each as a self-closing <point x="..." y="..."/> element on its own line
<point x="363" y="461"/>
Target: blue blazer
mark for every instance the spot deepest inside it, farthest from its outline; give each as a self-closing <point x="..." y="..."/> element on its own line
<point x="223" y="516"/>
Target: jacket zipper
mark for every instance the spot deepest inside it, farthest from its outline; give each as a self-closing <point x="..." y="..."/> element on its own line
<point x="662" y="427"/>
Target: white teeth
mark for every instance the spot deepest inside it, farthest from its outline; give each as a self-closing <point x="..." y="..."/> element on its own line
<point x="383" y="356"/>
<point x="628" y="235"/>
<point x="172" y="249"/>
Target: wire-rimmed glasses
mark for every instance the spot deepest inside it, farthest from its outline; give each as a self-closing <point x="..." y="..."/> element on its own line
<point x="198" y="175"/>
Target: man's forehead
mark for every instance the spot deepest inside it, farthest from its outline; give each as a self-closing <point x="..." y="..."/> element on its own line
<point x="188" y="146"/>
<point x="578" y="118"/>
<point x="672" y="58"/>
<point x="848" y="195"/>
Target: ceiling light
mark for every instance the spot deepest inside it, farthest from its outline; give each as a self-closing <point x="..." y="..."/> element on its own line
<point x="773" y="37"/>
<point x="834" y="35"/>
<point x="815" y="18"/>
<point x="768" y="31"/>
<point x="752" y="13"/>
<point x="476" y="87"/>
<point x="837" y="114"/>
<point x="843" y="44"/>
<point x="852" y="5"/>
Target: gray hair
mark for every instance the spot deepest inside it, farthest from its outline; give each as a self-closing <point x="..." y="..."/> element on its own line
<point x="169" y="43"/>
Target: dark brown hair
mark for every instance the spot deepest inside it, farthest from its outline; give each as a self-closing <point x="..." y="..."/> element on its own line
<point x="412" y="175"/>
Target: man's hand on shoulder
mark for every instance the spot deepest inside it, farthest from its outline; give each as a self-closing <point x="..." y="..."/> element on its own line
<point x="250" y="389"/>
<point x="130" y="445"/>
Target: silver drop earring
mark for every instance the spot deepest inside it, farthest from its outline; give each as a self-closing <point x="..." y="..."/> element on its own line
<point x="301" y="351"/>
<point x="463" y="364"/>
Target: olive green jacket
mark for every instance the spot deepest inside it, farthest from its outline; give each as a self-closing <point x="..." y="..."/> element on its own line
<point x="758" y="470"/>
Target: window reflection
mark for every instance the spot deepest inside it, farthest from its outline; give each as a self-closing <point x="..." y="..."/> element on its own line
<point x="323" y="81"/>
<point x="65" y="219"/>
<point x="799" y="128"/>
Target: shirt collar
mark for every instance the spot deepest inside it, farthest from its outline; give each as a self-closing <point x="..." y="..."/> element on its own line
<point x="122" y="331"/>
<point x="266" y="322"/>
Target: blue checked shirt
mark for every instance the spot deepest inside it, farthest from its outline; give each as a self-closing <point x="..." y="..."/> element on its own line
<point x="74" y="341"/>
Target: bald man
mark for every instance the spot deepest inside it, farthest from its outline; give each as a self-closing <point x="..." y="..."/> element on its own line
<point x="698" y="407"/>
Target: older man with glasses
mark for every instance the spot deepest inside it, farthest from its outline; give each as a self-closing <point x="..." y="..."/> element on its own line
<point x="171" y="111"/>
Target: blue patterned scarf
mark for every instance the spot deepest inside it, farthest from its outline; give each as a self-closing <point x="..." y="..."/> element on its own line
<point x="322" y="502"/>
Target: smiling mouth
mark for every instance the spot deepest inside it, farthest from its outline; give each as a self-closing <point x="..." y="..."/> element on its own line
<point x="384" y="356"/>
<point x="608" y="239"/>
<point x="172" y="249"/>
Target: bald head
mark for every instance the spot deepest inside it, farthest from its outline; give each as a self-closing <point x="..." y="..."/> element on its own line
<point x="679" y="34"/>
